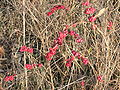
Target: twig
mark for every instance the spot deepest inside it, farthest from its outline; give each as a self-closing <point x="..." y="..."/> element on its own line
<point x="71" y="83"/>
<point x="24" y="58"/>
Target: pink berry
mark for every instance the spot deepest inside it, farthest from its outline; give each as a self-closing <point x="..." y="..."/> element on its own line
<point x="67" y="27"/>
<point x="68" y="64"/>
<point x="40" y="65"/>
<point x="76" y="35"/>
<point x="28" y="66"/>
<point x="53" y="9"/>
<point x="92" y="19"/>
<point x="33" y="65"/>
<point x="72" y="33"/>
<point x="9" y="78"/>
<point x="86" y="3"/>
<point x="82" y="83"/>
<point x="49" y="13"/>
<point x="72" y="58"/>
<point x="73" y="52"/>
<point x="99" y="78"/>
<point x="62" y="7"/>
<point x="85" y="60"/>
<point x="30" y="50"/>
<point x="79" y="40"/>
<point x="23" y="48"/>
<point x="62" y="35"/>
<point x="90" y="10"/>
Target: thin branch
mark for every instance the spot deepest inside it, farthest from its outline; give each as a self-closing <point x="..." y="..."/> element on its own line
<point x="24" y="58"/>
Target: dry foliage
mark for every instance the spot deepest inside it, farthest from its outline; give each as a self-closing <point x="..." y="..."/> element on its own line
<point x="100" y="46"/>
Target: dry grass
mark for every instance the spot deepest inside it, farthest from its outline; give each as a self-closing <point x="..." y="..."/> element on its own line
<point x="100" y="46"/>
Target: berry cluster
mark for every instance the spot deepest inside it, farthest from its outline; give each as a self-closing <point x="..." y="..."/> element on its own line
<point x="55" y="8"/>
<point x="31" y="66"/>
<point x="26" y="49"/>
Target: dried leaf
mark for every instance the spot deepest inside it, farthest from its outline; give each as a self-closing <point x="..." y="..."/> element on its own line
<point x="2" y="52"/>
<point x="89" y="50"/>
<point x="101" y="12"/>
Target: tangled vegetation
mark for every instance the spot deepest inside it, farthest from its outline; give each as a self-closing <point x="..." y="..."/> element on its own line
<point x="59" y="45"/>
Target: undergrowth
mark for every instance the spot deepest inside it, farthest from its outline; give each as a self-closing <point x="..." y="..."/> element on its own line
<point x="87" y="53"/>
